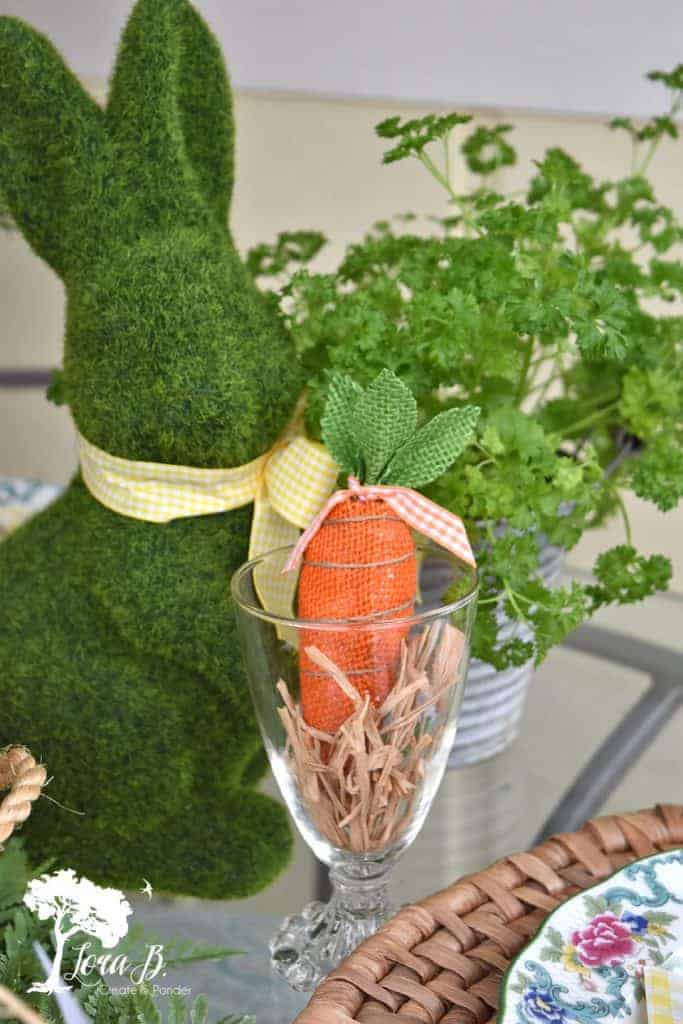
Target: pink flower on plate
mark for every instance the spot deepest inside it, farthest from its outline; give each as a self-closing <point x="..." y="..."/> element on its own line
<point x="605" y="941"/>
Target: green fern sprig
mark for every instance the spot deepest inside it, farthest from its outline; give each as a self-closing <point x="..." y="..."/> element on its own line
<point x="138" y="1007"/>
<point x="19" y="966"/>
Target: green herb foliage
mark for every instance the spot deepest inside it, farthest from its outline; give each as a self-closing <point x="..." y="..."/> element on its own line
<point x="555" y="312"/>
<point x="19" y="965"/>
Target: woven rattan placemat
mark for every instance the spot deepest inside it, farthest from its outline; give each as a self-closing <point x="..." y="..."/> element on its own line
<point x="442" y="960"/>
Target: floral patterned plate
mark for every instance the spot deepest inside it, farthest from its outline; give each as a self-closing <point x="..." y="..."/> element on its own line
<point x="586" y="963"/>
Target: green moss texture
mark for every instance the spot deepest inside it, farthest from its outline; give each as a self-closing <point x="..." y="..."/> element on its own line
<point x="119" y="664"/>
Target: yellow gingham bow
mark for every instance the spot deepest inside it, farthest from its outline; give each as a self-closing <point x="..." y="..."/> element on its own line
<point x="288" y="485"/>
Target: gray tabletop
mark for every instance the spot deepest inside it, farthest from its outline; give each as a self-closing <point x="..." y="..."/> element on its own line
<point x="241" y="984"/>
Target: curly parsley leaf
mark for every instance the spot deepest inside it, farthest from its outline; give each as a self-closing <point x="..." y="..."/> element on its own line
<point x="649" y="398"/>
<point x="487" y="149"/>
<point x="416" y="134"/>
<point x="551" y="613"/>
<point x="290" y="249"/>
<point x="672" y="79"/>
<point x="657" y="474"/>
<point x="623" y="576"/>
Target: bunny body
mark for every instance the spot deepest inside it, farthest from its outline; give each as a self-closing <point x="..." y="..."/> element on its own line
<point x="119" y="664"/>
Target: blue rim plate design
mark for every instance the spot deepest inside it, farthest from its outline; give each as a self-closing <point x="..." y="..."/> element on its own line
<point x="586" y="962"/>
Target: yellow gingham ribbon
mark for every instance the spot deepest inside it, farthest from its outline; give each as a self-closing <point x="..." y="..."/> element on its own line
<point x="664" y="996"/>
<point x="288" y="486"/>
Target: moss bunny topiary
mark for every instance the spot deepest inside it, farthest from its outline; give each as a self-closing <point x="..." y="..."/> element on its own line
<point x="118" y="660"/>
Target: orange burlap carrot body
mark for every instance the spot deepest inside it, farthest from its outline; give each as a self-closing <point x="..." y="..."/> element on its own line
<point x="360" y="566"/>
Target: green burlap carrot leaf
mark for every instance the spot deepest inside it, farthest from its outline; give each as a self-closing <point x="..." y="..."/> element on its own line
<point x="385" y="417"/>
<point x="372" y="433"/>
<point x="337" y="423"/>
<point x="431" y="450"/>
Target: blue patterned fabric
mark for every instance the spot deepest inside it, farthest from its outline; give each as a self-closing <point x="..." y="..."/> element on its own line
<point x="21" y="498"/>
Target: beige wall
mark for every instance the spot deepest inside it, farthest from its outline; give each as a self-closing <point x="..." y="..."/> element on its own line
<point x="528" y="55"/>
<point x="302" y="162"/>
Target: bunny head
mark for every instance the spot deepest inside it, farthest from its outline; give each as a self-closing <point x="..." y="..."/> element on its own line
<point x="171" y="354"/>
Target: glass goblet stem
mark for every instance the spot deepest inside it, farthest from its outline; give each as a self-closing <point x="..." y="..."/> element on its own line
<point x="363" y="899"/>
<point x="310" y="944"/>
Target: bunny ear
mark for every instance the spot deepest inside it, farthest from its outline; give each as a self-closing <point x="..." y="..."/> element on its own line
<point x="51" y="146"/>
<point x="170" y="111"/>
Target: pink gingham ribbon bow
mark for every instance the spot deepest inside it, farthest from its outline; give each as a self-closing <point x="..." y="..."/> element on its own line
<point x="423" y="515"/>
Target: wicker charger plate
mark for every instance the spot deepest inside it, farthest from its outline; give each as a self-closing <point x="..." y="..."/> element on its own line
<point x="443" y="959"/>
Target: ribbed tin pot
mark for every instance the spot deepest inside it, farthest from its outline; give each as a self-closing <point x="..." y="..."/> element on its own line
<point x="494" y="701"/>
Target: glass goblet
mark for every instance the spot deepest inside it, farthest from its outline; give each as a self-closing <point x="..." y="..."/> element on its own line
<point x="359" y="794"/>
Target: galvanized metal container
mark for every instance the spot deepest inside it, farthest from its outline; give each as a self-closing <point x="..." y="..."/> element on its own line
<point x="494" y="701"/>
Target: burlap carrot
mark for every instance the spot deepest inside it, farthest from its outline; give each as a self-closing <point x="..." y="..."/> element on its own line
<point x="359" y="556"/>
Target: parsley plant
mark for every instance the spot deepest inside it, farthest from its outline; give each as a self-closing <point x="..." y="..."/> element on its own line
<point x="556" y="313"/>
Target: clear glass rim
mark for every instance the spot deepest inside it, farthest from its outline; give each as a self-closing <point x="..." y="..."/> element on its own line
<point x="337" y="624"/>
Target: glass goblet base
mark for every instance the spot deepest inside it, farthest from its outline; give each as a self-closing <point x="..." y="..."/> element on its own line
<point x="308" y="945"/>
